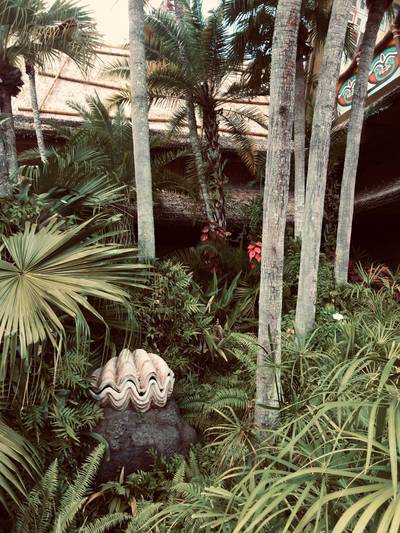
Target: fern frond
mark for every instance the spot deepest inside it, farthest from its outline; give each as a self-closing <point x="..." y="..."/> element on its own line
<point x="106" y="523"/>
<point x="38" y="511"/>
<point x="77" y="490"/>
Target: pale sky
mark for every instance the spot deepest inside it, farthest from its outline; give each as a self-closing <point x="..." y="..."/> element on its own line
<point x="112" y="17"/>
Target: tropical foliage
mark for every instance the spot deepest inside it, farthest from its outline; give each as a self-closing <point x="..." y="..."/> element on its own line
<point x="45" y="270"/>
<point x="34" y="34"/>
<point x="189" y="59"/>
<point x="101" y="149"/>
<point x="45" y="510"/>
<point x="332" y="463"/>
<point x="17" y="457"/>
<point x="73" y="293"/>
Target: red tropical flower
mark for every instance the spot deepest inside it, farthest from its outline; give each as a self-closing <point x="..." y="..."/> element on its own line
<point x="254" y="253"/>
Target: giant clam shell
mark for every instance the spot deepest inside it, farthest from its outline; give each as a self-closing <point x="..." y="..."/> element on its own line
<point x="137" y="380"/>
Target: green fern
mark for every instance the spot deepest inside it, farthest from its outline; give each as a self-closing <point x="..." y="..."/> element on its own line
<point x="38" y="511"/>
<point x="105" y="523"/>
<point x="49" y="509"/>
<point x="58" y="411"/>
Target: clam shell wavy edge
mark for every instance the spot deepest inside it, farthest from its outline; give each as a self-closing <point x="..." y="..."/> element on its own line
<point x="134" y="380"/>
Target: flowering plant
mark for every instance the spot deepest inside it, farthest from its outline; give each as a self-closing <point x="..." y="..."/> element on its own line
<point x="213" y="237"/>
<point x="213" y="232"/>
<point x="254" y="253"/>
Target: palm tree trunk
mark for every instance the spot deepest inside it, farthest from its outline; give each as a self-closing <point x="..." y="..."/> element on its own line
<point x="318" y="167"/>
<point x="10" y="142"/>
<point x="30" y="70"/>
<point x="194" y="136"/>
<point x="140" y="132"/>
<point x="4" y="177"/>
<point x="277" y="174"/>
<point x="376" y="11"/>
<point x="299" y="148"/>
<point x="214" y="160"/>
<point x="316" y="57"/>
<point x="198" y="158"/>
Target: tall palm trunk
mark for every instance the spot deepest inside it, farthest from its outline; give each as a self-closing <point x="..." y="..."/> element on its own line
<point x="10" y="86"/>
<point x="318" y="167"/>
<point x="30" y="70"/>
<point x="377" y="9"/>
<point x="299" y="147"/>
<point x="317" y="55"/>
<point x="214" y="160"/>
<point x="10" y="142"/>
<point x="198" y="158"/>
<point x="277" y="174"/>
<point x="140" y="132"/>
<point x="4" y="176"/>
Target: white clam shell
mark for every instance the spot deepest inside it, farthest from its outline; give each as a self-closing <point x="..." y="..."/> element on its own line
<point x="136" y="380"/>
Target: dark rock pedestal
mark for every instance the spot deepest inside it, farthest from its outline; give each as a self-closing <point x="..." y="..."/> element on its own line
<point x="132" y="435"/>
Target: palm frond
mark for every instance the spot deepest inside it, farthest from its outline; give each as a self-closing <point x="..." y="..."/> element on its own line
<point x="118" y="68"/>
<point x="45" y="271"/>
<point x="17" y="457"/>
<point x="239" y="130"/>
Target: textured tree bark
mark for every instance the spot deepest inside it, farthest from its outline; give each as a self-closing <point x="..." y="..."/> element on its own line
<point x="140" y="132"/>
<point x="299" y="148"/>
<point x="214" y="160"/>
<point x="318" y="167"/>
<point x="4" y="176"/>
<point x="10" y="142"/>
<point x="194" y="138"/>
<point x="377" y="9"/>
<point x="198" y="158"/>
<point x="30" y="70"/>
<point x="316" y="57"/>
<point x="277" y="174"/>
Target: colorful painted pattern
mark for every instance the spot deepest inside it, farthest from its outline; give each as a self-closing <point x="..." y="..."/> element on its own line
<point x="384" y="66"/>
<point x="345" y="94"/>
<point x="384" y="69"/>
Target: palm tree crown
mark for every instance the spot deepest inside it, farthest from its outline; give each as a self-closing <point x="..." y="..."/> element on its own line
<point x="188" y="57"/>
<point x="33" y="33"/>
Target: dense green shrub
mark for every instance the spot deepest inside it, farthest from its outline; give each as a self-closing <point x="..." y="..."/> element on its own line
<point x="18" y="209"/>
<point x="189" y="326"/>
<point x="253" y="213"/>
<point x="58" y="414"/>
<point x="332" y="463"/>
<point x="171" y="317"/>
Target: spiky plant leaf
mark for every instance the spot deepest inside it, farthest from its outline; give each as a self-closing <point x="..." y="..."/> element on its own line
<point x="17" y="457"/>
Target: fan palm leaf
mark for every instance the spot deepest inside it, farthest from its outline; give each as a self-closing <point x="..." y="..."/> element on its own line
<point x="46" y="272"/>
